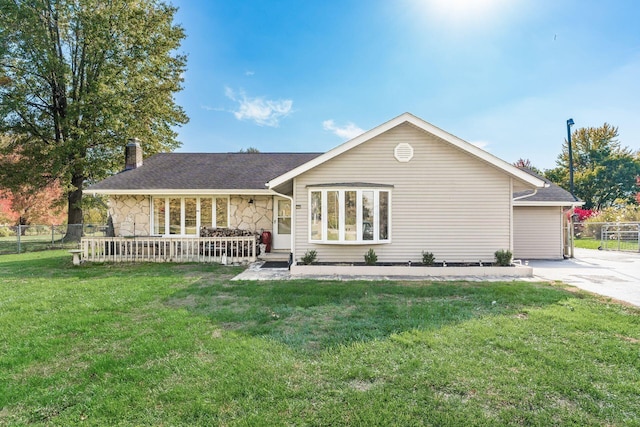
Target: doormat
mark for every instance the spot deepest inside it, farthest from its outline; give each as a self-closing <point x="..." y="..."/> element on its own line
<point x="275" y="264"/>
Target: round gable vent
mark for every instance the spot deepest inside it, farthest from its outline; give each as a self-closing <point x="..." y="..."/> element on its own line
<point x="403" y="152"/>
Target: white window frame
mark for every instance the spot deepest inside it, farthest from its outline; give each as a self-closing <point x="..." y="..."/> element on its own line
<point x="182" y="214"/>
<point x="342" y="215"/>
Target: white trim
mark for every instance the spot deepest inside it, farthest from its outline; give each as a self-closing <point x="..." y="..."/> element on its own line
<point x="545" y="203"/>
<point x="167" y="215"/>
<point x="423" y="125"/>
<point x="342" y="215"/>
<point x="182" y="192"/>
<point x="511" y="237"/>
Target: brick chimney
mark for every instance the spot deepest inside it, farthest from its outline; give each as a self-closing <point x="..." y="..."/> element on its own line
<point x="133" y="154"/>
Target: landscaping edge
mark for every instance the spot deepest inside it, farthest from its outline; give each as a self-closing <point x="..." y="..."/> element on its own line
<point x="390" y="271"/>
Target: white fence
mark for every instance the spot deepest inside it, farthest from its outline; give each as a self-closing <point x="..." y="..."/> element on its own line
<point x="224" y="250"/>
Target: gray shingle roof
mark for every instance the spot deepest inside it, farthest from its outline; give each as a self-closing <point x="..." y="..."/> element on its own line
<point x="205" y="171"/>
<point x="552" y="193"/>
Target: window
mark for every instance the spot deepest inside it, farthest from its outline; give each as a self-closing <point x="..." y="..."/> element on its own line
<point x="349" y="216"/>
<point x="316" y="215"/>
<point x="185" y="215"/>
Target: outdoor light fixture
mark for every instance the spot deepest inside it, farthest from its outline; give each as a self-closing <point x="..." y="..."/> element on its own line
<point x="569" y="124"/>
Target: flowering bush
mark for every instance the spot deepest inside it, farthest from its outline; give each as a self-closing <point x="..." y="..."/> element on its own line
<point x="584" y="214"/>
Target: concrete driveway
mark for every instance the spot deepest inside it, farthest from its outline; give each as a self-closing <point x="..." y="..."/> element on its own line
<point x="608" y="273"/>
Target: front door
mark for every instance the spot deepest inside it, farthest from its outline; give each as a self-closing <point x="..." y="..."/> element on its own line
<point x="281" y="223"/>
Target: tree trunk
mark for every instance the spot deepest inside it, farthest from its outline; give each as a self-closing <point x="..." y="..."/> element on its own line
<point x="74" y="216"/>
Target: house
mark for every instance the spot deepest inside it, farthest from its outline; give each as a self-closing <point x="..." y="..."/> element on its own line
<point x="401" y="188"/>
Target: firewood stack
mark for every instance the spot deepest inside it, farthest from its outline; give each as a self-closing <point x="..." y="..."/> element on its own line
<point x="226" y="232"/>
<point x="228" y="248"/>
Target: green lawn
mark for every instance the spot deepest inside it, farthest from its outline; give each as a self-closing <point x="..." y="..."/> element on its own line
<point x="587" y="243"/>
<point x="183" y="345"/>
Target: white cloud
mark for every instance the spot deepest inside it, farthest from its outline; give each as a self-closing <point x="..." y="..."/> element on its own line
<point x="347" y="131"/>
<point x="264" y="112"/>
<point x="480" y="144"/>
<point x="209" y="108"/>
<point x="249" y="73"/>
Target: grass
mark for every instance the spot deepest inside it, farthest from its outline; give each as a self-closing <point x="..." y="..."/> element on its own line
<point x="183" y="345"/>
<point x="587" y="243"/>
<point x="33" y="243"/>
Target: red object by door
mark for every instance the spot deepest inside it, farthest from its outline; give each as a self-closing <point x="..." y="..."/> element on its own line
<point x="266" y="240"/>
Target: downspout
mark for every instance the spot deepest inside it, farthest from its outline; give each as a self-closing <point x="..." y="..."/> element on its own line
<point x="511" y="215"/>
<point x="293" y="222"/>
<point x="570" y="211"/>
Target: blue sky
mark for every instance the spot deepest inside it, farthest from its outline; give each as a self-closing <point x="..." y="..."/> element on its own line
<point x="505" y="75"/>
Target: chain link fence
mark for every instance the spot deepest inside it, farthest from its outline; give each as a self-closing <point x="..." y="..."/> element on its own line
<point x="30" y="238"/>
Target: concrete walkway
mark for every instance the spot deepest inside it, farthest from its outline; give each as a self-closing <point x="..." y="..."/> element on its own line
<point x="608" y="273"/>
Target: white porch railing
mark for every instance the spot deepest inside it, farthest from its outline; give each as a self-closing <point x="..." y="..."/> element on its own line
<point x="224" y="250"/>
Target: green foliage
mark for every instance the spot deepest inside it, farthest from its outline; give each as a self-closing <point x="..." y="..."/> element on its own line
<point x="309" y="257"/>
<point x="249" y="150"/>
<point x="604" y="171"/>
<point x="95" y="210"/>
<point x="428" y="258"/>
<point x="80" y="77"/>
<point x="623" y="213"/>
<point x="370" y="258"/>
<point x="503" y="257"/>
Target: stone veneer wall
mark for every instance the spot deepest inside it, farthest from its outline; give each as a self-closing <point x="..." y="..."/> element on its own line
<point x="131" y="215"/>
<point x="256" y="216"/>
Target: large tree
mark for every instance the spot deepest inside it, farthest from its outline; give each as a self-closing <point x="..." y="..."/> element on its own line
<point x="604" y="171"/>
<point x="80" y="77"/>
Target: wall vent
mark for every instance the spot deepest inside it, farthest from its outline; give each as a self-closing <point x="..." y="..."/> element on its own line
<point x="403" y="152"/>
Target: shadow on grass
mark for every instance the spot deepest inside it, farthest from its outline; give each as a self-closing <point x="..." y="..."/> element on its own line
<point x="313" y="316"/>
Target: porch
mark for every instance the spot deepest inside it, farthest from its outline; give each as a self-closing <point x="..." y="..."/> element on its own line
<point x="223" y="250"/>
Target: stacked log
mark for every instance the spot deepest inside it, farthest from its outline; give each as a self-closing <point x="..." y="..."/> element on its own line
<point x="226" y="232"/>
<point x="229" y="248"/>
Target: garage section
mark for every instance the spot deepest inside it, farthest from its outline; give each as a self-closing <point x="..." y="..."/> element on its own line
<point x="537" y="232"/>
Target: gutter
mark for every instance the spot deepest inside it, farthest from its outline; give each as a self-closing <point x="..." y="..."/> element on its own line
<point x="535" y="191"/>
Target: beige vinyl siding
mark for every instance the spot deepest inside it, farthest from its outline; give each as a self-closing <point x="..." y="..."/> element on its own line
<point x="443" y="201"/>
<point x="537" y="232"/>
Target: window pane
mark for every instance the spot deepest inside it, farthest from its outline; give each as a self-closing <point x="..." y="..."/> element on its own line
<point x="316" y="215"/>
<point x="174" y="216"/>
<point x="206" y="213"/>
<point x="158" y="216"/>
<point x="222" y="221"/>
<point x="190" y="225"/>
<point x="384" y="215"/>
<point x="333" y="215"/>
<point x="367" y="215"/>
<point x="350" y="215"/>
<point x="284" y="216"/>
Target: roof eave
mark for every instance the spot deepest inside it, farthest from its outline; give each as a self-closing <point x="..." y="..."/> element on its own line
<point x="178" y="192"/>
<point x="548" y="203"/>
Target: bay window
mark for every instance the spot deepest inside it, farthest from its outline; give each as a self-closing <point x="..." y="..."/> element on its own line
<point x="349" y="215"/>
<point x="184" y="216"/>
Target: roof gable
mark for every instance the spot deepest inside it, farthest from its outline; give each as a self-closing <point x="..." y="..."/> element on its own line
<point x="420" y="124"/>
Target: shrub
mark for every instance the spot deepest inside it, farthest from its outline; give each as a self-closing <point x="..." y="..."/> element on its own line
<point x="370" y="258"/>
<point x="7" y="231"/>
<point x="503" y="257"/>
<point x="428" y="258"/>
<point x="309" y="257"/>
